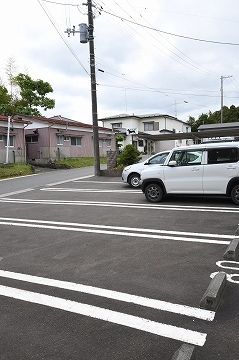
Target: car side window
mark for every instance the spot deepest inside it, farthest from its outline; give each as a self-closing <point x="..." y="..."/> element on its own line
<point x="158" y="159"/>
<point x="220" y="156"/>
<point x="187" y="157"/>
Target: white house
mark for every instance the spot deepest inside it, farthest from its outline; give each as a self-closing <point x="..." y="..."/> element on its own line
<point x="135" y="129"/>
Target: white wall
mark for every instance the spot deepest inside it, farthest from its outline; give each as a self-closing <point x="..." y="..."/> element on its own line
<point x="165" y="123"/>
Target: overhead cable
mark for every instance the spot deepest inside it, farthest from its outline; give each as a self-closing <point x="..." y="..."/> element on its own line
<point x="67" y="45"/>
<point x="169" y="33"/>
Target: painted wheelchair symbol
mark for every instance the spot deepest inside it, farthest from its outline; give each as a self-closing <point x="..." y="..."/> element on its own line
<point x="228" y="265"/>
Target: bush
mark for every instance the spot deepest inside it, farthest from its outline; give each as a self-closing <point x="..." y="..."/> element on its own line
<point x="129" y="156"/>
<point x="11" y="170"/>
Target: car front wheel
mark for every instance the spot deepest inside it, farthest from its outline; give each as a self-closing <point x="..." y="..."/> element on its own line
<point x="235" y="194"/>
<point x="134" y="180"/>
<point x="154" y="193"/>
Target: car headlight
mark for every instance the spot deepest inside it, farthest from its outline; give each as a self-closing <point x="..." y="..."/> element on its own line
<point x="127" y="168"/>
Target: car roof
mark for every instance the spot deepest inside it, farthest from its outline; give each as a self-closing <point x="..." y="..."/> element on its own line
<point x="208" y="145"/>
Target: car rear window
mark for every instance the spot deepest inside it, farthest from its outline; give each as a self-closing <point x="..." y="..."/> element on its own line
<point x="223" y="155"/>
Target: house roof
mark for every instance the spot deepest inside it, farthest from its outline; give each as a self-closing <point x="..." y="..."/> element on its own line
<point x="16" y="119"/>
<point x="59" y="120"/>
<point x="228" y="125"/>
<point x="146" y="116"/>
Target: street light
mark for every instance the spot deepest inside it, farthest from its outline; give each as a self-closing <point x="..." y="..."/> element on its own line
<point x="175" y="104"/>
<point x="222" y="78"/>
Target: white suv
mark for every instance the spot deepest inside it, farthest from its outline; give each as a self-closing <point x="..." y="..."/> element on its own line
<point x="131" y="173"/>
<point x="211" y="168"/>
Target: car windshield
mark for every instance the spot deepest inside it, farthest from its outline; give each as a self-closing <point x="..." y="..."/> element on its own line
<point x="159" y="158"/>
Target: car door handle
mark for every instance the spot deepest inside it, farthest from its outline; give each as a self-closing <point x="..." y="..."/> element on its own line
<point x="195" y="169"/>
<point x="231" y="167"/>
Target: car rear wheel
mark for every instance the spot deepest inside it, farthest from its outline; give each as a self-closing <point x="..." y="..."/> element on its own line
<point x="235" y="194"/>
<point x="134" y="180"/>
<point x="154" y="193"/>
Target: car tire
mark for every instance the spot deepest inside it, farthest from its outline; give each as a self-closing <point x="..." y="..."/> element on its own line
<point x="134" y="180"/>
<point x="154" y="193"/>
<point x="235" y="194"/>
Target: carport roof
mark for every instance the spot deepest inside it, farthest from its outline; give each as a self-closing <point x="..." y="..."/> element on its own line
<point x="192" y="135"/>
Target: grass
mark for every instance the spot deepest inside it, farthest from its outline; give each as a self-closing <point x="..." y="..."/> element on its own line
<point x="11" y="170"/>
<point x="78" y="162"/>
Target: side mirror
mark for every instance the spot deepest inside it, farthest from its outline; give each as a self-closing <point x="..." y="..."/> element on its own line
<point x="172" y="163"/>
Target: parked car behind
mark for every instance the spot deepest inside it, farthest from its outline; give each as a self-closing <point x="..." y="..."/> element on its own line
<point x="131" y="173"/>
<point x="207" y="169"/>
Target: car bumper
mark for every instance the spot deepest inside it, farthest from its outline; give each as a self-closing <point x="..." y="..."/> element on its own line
<point x="125" y="175"/>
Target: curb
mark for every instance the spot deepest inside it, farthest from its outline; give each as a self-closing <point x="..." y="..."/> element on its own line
<point x="232" y="252"/>
<point x="212" y="296"/>
<point x="185" y="352"/>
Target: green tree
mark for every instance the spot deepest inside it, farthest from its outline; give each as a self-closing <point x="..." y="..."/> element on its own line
<point x="5" y="100"/>
<point x="31" y="95"/>
<point x="119" y="139"/>
<point x="129" y="156"/>
<point x="230" y="114"/>
<point x="192" y="123"/>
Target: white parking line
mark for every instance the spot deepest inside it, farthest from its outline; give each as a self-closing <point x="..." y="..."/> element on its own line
<point x="149" y="326"/>
<point x="116" y="295"/>
<point x="69" y="180"/>
<point x="126" y="228"/>
<point x="124" y="205"/>
<point x="48" y="225"/>
<point x="98" y="182"/>
<point x="16" y="192"/>
<point x="91" y="190"/>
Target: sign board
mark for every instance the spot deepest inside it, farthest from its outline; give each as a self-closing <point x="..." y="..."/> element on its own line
<point x="132" y="131"/>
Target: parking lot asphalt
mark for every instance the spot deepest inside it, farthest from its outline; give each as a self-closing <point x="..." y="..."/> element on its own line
<point x="90" y="270"/>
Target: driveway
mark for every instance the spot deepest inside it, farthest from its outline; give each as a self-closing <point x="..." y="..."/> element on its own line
<point x="90" y="270"/>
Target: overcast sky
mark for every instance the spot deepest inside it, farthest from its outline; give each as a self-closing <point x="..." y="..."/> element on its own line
<point x="145" y="71"/>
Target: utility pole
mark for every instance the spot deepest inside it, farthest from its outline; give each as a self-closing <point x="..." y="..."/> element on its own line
<point x="8" y="138"/>
<point x="93" y="88"/>
<point x="86" y="35"/>
<point x="222" y="78"/>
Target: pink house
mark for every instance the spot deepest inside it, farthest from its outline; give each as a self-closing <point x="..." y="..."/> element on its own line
<point x="55" y="138"/>
<point x="17" y="149"/>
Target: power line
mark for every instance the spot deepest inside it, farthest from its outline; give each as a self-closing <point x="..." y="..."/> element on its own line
<point x="169" y="33"/>
<point x="166" y="92"/>
<point x="149" y="27"/>
<point x="67" y="45"/>
<point x="131" y="81"/>
<point x="188" y="62"/>
<point x="59" y="3"/>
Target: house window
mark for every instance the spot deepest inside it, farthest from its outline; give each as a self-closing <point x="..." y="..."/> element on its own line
<point x="156" y="126"/>
<point x="105" y="142"/>
<point x="31" y="139"/>
<point x="116" y="125"/>
<point x="11" y="140"/>
<point x="60" y="139"/>
<point x="66" y="138"/>
<point x="1" y="137"/>
<point x="75" y="141"/>
<point x="149" y="126"/>
<point x="141" y="143"/>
